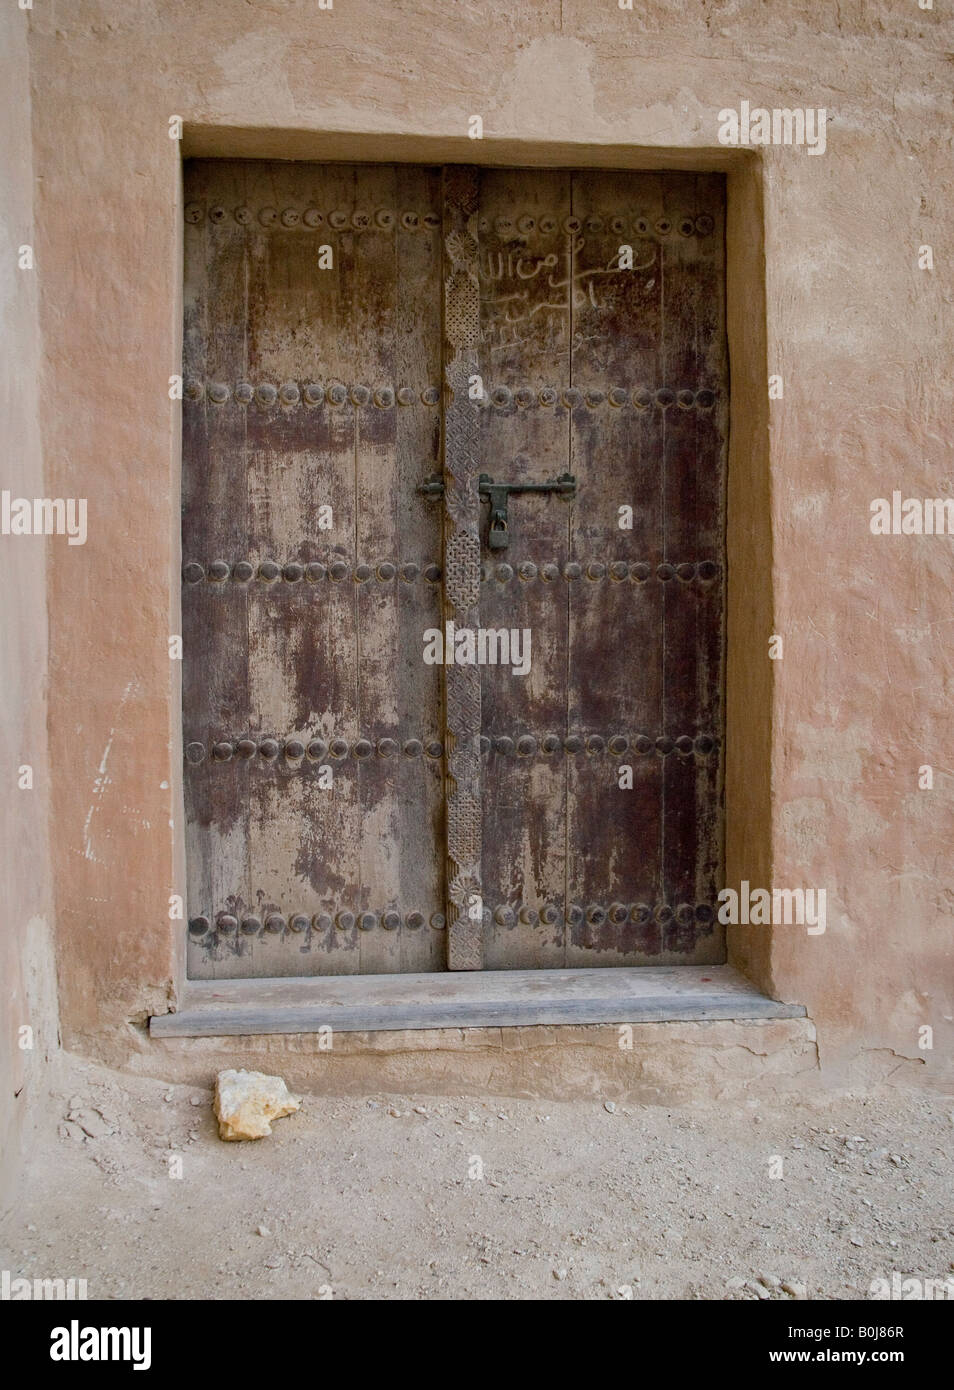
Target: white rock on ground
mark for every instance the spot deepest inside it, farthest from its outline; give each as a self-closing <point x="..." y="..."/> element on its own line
<point x="247" y="1101"/>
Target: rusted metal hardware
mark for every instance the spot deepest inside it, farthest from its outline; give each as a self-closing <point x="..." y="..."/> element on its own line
<point x="498" y="495"/>
<point x="701" y="916"/>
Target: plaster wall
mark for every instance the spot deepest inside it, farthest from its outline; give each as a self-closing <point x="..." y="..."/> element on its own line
<point x="27" y="996"/>
<point x="824" y="746"/>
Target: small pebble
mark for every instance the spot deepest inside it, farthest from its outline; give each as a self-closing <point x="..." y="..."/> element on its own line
<point x="610" y="1107"/>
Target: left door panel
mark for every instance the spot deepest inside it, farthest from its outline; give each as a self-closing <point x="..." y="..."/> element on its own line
<point x="311" y="566"/>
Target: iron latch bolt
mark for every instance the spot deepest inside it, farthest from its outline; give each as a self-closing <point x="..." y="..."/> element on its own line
<point x="498" y="495"/>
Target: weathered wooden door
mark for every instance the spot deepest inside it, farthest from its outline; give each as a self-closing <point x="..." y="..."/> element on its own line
<point x="371" y="354"/>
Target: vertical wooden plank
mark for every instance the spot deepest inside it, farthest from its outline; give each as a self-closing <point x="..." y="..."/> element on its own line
<point x="616" y="669"/>
<point x="419" y="789"/>
<point x="677" y="360"/>
<point x="377" y="485"/>
<point x="198" y="786"/>
<point x="397" y="266"/>
<point x="712" y="427"/>
<point x="526" y="290"/>
<point x="694" y="470"/>
<point x="215" y="644"/>
<point x="302" y="836"/>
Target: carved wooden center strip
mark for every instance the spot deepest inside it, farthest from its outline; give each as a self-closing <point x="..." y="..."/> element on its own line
<point x="462" y="567"/>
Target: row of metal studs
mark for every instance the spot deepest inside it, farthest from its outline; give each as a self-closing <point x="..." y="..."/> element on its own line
<point x="314" y="572"/>
<point x="312" y="393"/>
<point x="618" y="570"/>
<point x="594" y="915"/>
<point x="526" y="745"/>
<point x="500" y="397"/>
<point x="386" y="219"/>
<point x="228" y="924"/>
<point x="295" y="749"/>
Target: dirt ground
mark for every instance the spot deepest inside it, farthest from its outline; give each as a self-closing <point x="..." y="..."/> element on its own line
<point x="381" y="1198"/>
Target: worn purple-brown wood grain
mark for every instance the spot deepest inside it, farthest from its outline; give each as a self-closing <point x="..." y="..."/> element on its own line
<point x="309" y="387"/>
<point x="309" y="670"/>
<point x="598" y="371"/>
<point x="525" y="351"/>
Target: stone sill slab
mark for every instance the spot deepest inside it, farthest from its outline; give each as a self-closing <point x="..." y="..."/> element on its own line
<point x="466" y="999"/>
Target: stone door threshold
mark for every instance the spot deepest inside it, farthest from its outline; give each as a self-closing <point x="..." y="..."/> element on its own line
<point x="467" y="999"/>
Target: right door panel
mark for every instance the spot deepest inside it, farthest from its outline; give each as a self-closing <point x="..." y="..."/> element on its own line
<point x="603" y="354"/>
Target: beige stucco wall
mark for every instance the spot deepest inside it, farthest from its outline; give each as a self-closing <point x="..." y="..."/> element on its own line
<point x="824" y="746"/>
<point x="26" y="964"/>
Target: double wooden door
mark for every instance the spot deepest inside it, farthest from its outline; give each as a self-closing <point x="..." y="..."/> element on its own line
<point x="432" y="720"/>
